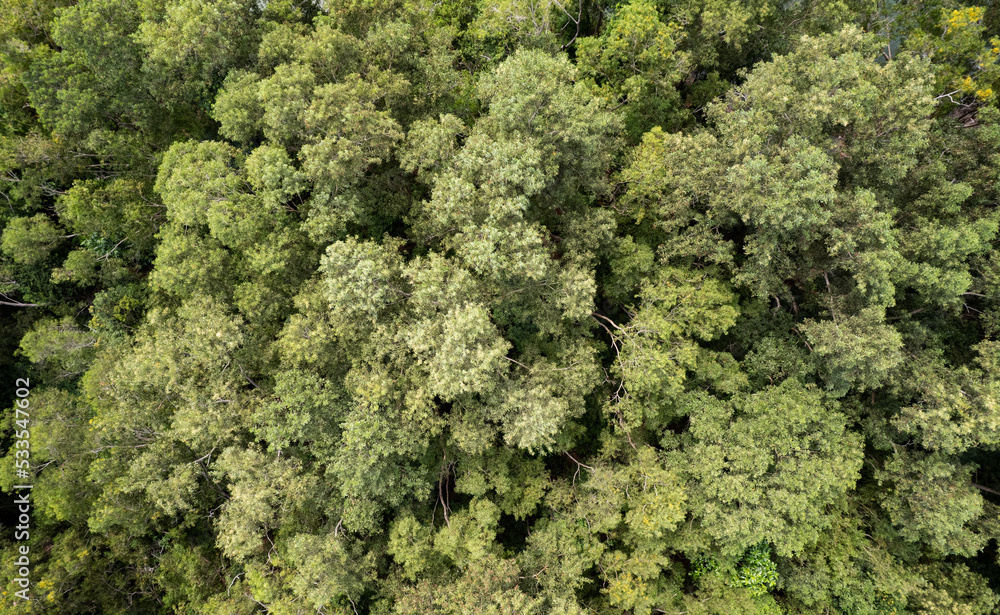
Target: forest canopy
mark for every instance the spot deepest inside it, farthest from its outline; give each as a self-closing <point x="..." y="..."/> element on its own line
<point x="501" y="307"/>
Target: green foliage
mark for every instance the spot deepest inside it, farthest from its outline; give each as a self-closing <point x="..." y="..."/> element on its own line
<point x="60" y="344"/>
<point x="782" y="492"/>
<point x="30" y="240"/>
<point x="190" y="46"/>
<point x="502" y="307"/>
<point x="756" y="571"/>
<point x="237" y="108"/>
<point x="636" y="61"/>
<point x="930" y="498"/>
<point x="118" y="311"/>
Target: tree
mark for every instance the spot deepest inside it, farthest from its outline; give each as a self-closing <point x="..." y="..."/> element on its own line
<point x="777" y="492"/>
<point x="399" y="306"/>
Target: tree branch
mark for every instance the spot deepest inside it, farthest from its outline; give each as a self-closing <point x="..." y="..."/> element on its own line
<point x="986" y="489"/>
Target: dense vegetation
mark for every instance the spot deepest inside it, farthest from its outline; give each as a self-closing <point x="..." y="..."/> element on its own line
<point x="503" y="306"/>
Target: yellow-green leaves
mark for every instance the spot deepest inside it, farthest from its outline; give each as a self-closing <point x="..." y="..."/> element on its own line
<point x="930" y="499"/>
<point x="397" y="307"/>
<point x="955" y="408"/>
<point x="461" y="350"/>
<point x="768" y="465"/>
<point x="965" y="53"/>
<point x="431" y="143"/>
<point x="363" y="279"/>
<point x="196" y="177"/>
<point x="29" y="240"/>
<point x="189" y="46"/>
<point x="328" y="569"/>
<point x="871" y="118"/>
<point x="351" y="135"/>
<point x="657" y="348"/>
<point x="857" y="351"/>
<point x="637" y="47"/>
<point x="262" y="489"/>
<point x="237" y="107"/>
<point x="64" y="347"/>
<point x="636" y="62"/>
<point x="285" y="97"/>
